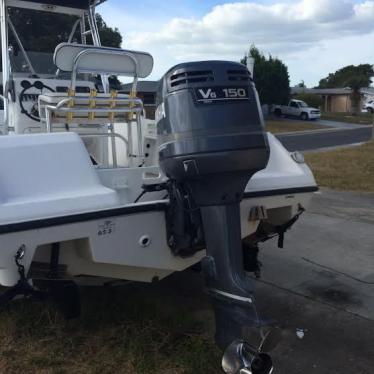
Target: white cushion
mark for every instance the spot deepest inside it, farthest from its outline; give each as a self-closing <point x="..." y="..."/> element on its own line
<point x="65" y="54"/>
<point x="48" y="175"/>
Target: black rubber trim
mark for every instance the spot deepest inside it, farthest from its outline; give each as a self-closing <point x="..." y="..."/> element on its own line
<point x="152" y="207"/>
<point x="90" y="216"/>
<point x="284" y="191"/>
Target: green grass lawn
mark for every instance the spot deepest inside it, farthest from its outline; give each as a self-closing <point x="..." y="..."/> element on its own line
<point x="122" y="330"/>
<point x="346" y="169"/>
<point x="277" y="126"/>
<point x="360" y="118"/>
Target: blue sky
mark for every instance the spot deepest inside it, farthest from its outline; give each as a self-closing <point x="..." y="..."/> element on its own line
<point x="313" y="37"/>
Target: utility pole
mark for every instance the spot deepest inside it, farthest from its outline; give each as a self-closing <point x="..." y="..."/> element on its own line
<point x="251" y="65"/>
<point x="372" y="112"/>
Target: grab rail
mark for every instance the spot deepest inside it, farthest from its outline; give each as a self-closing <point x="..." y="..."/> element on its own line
<point x="135" y="105"/>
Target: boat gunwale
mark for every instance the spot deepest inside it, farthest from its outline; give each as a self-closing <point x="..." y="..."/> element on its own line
<point x="146" y="207"/>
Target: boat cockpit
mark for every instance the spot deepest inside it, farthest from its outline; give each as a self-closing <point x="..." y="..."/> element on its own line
<point x="111" y="124"/>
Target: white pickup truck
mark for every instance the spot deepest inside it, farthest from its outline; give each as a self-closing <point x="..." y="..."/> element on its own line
<point x="369" y="107"/>
<point x="297" y="108"/>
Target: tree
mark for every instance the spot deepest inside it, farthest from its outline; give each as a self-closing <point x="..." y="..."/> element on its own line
<point x="271" y="78"/>
<point x="44" y="36"/>
<point x="301" y="84"/>
<point x="312" y="100"/>
<point x="354" y="77"/>
<point x="109" y="37"/>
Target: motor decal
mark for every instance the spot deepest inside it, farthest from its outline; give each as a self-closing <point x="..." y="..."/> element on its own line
<point x="210" y="95"/>
<point x="107" y="227"/>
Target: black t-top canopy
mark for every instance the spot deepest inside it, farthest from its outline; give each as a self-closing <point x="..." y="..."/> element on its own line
<point x="77" y="4"/>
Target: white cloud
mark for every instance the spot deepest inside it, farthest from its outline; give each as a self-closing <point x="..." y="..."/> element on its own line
<point x="289" y="30"/>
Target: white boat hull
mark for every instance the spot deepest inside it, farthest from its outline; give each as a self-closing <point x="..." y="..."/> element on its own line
<point x="119" y="253"/>
<point x="101" y="231"/>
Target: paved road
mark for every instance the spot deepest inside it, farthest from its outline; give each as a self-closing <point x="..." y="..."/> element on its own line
<point x="325" y="138"/>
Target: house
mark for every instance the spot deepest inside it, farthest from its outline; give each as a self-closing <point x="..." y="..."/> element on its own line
<point x="335" y="99"/>
<point x="147" y="91"/>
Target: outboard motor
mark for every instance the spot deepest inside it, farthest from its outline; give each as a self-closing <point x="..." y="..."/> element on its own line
<point x="211" y="142"/>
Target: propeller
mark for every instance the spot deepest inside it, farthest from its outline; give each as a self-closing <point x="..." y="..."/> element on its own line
<point x="242" y="358"/>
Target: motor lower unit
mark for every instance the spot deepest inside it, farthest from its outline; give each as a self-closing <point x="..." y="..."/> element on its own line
<point x="211" y="142"/>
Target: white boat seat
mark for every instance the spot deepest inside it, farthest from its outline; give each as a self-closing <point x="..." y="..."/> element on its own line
<point x="48" y="175"/>
<point x="94" y="108"/>
<point x="101" y="109"/>
<point x="115" y="62"/>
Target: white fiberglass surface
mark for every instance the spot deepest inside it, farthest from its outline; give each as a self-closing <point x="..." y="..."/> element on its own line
<point x="48" y="175"/>
<point x="119" y="61"/>
<point x="282" y="171"/>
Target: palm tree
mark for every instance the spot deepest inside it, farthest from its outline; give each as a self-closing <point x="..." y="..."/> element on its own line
<point x="355" y="83"/>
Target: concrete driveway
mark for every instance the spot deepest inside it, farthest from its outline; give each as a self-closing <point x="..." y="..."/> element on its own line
<point x="323" y="283"/>
<point x="339" y="125"/>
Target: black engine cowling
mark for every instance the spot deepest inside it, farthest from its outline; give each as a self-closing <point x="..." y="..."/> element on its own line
<point x="210" y="129"/>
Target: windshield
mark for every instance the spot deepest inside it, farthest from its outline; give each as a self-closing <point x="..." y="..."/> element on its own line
<point x="39" y="35"/>
<point x="303" y="104"/>
<point x="41" y="62"/>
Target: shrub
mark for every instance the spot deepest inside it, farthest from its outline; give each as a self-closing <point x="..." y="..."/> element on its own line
<point x="312" y="100"/>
